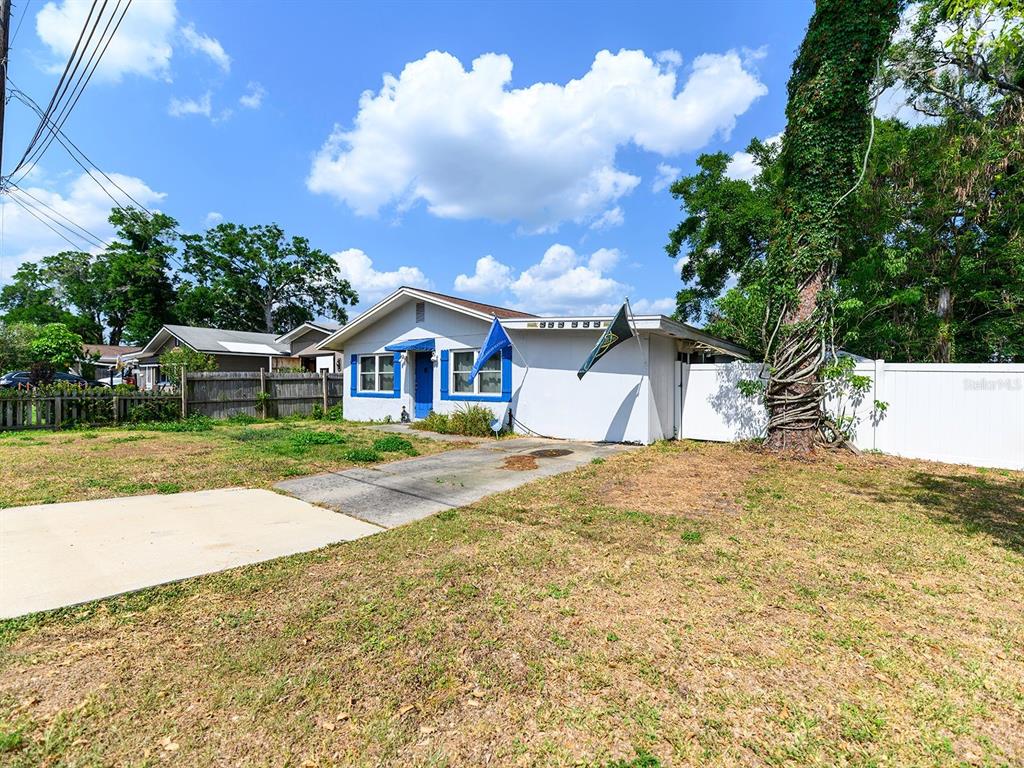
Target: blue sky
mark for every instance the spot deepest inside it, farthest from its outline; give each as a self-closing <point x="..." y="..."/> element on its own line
<point x="462" y="172"/>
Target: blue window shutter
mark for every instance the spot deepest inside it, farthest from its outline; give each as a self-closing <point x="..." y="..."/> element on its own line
<point x="398" y="374"/>
<point x="506" y="374"/>
<point x="355" y="372"/>
<point x="444" y="374"/>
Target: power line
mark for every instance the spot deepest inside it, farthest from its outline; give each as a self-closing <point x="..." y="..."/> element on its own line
<point x="45" y="223"/>
<point x="85" y="233"/>
<point x="58" y="89"/>
<point x="21" y="18"/>
<point x="83" y="81"/>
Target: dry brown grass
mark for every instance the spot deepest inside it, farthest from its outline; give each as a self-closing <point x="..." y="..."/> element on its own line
<point x="699" y="603"/>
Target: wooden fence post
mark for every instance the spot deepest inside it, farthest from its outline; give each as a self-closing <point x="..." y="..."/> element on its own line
<point x="323" y="383"/>
<point x="117" y="410"/>
<point x="56" y="411"/>
<point x="263" y="392"/>
<point x="184" y="392"/>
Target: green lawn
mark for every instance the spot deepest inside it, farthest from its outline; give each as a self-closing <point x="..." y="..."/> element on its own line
<point x="44" y="467"/>
<point x="677" y="605"/>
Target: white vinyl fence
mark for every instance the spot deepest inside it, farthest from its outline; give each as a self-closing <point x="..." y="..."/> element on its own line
<point x="957" y="413"/>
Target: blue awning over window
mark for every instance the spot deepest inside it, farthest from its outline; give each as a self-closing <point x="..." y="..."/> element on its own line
<point x="420" y="345"/>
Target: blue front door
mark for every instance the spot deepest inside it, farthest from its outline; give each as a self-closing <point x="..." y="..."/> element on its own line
<point x="424" y="388"/>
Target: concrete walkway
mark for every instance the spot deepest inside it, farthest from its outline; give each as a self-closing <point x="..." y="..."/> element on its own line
<point x="403" y="491"/>
<point x="55" y="555"/>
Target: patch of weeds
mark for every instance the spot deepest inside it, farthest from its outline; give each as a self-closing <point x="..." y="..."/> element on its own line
<point x="241" y="418"/>
<point x="692" y="536"/>
<point x="129" y="489"/>
<point x="194" y="423"/>
<point x="394" y="444"/>
<point x="557" y="592"/>
<point x="861" y="724"/>
<point x="559" y="640"/>
<point x="611" y="637"/>
<point x="130" y="438"/>
<point x="597" y="460"/>
<point x="11" y="739"/>
<point x="83" y="435"/>
<point x="308" y="437"/>
<point x="168" y="488"/>
<point x="643" y="759"/>
<point x="446" y="515"/>
<point x="362" y="455"/>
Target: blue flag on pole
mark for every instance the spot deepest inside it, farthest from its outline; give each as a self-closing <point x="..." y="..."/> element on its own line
<point x="496" y="341"/>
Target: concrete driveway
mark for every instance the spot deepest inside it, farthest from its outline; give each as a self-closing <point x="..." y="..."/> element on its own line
<point x="55" y="555"/>
<point x="403" y="491"/>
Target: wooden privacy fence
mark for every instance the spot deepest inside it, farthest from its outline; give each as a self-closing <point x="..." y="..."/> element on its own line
<point x="220" y="394"/>
<point x="88" y="407"/>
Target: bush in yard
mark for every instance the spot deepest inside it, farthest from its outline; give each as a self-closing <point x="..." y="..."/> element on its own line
<point x="333" y="412"/>
<point x="362" y="455"/>
<point x="155" y="409"/>
<point x="394" y="444"/>
<point x="172" y="362"/>
<point x="434" y="422"/>
<point x="469" y="420"/>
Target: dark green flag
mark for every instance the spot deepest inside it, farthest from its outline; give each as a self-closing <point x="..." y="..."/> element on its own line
<point x="613" y="335"/>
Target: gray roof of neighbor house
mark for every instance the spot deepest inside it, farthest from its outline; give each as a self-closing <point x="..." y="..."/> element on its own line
<point x="108" y="353"/>
<point x="217" y="341"/>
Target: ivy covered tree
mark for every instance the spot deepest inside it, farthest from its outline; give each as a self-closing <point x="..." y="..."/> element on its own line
<point x="828" y="116"/>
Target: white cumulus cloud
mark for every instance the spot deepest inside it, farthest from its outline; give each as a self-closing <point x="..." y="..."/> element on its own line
<point x="742" y="164"/>
<point x="142" y="45"/>
<point x="667" y="174"/>
<point x="80" y="201"/>
<point x="182" y="107"/>
<point x="372" y="284"/>
<point x="489" y="277"/>
<point x="469" y="146"/>
<point x="253" y="96"/>
<point x="613" y="217"/>
<point x="206" y="45"/>
<point x="213" y="218"/>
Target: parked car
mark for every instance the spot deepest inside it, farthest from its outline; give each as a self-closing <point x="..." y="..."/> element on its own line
<point x="23" y="379"/>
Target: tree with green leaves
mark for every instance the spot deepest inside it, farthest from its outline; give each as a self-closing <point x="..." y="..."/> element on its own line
<point x="128" y="289"/>
<point x="15" y="341"/>
<point x="57" y="346"/>
<point x="243" y="278"/>
<point x="32" y="297"/>
<point x="182" y="358"/>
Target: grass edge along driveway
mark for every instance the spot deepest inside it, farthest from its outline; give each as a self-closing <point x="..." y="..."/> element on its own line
<point x="77" y="465"/>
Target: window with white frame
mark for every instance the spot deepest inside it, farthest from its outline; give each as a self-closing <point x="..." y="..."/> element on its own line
<point x="377" y="373"/>
<point x="487" y="382"/>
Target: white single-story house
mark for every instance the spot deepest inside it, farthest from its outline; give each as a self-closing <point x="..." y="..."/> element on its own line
<point x="239" y="351"/>
<point x="415" y="349"/>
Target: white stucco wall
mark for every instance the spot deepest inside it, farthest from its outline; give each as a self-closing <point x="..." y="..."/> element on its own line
<point x="612" y="402"/>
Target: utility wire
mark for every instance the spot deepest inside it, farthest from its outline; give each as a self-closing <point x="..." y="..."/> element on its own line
<point x="46" y="223"/>
<point x="84" y="79"/>
<point x="21" y="18"/>
<point x="77" y="228"/>
<point x="53" y="99"/>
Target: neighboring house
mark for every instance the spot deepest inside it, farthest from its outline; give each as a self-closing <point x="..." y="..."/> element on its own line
<point x="243" y="351"/>
<point x="303" y="342"/>
<point x="107" y="357"/>
<point x="415" y="349"/>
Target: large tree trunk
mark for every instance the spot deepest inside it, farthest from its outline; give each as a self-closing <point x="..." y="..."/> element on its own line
<point x="794" y="388"/>
<point x="828" y="117"/>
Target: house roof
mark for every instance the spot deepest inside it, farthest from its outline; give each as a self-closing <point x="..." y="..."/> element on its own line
<point x="502" y="313"/>
<point x="323" y="326"/>
<point x="514" y="319"/>
<point x="217" y="341"/>
<point x="109" y="352"/>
